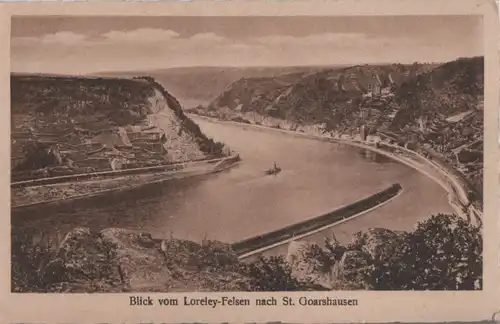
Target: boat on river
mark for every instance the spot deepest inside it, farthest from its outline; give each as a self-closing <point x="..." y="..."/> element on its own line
<point x="275" y="170"/>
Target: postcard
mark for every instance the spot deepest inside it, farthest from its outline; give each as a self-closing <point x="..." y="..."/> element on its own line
<point x="302" y="162"/>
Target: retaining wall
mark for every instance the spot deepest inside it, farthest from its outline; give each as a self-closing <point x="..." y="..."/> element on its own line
<point x="112" y="174"/>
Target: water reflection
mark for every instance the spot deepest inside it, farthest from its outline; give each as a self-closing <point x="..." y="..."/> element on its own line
<point x="374" y="157"/>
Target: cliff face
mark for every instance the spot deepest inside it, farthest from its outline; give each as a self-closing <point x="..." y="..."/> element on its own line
<point x="67" y="125"/>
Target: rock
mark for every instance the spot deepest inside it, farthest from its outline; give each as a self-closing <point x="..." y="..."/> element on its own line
<point x="118" y="260"/>
<point x="378" y="243"/>
<point x="307" y="268"/>
<point x="226" y="151"/>
<point x="142" y="265"/>
<point x="86" y="257"/>
<point x="294" y="249"/>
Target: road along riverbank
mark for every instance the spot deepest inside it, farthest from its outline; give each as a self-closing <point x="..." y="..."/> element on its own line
<point x="457" y="190"/>
<point x="49" y="191"/>
<point x="257" y="244"/>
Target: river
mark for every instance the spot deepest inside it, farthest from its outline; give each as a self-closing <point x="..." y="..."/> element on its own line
<point x="317" y="177"/>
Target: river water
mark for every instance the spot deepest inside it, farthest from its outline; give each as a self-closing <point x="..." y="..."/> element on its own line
<point x="317" y="177"/>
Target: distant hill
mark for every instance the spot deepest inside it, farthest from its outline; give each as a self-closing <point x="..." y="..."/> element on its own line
<point x="194" y="86"/>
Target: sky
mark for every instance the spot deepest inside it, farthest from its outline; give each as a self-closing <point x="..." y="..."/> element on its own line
<point x="85" y="45"/>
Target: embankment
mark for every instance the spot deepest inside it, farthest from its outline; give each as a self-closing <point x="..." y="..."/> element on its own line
<point x="70" y="188"/>
<point x="126" y="172"/>
<point x="251" y="245"/>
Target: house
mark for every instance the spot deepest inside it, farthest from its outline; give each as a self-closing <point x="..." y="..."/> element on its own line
<point x="363" y="133"/>
<point x="373" y="138"/>
<point x="118" y="164"/>
<point x="375" y="85"/>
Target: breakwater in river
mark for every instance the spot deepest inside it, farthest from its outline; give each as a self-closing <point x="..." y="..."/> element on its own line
<point x="245" y="247"/>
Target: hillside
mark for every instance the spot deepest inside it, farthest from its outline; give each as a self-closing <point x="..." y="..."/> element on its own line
<point x="66" y="125"/>
<point x="329" y="95"/>
<point x="194" y="86"/>
<point x="445" y="110"/>
<point x="441" y="105"/>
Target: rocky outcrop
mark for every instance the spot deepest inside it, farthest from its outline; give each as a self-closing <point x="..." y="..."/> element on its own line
<point x="90" y="122"/>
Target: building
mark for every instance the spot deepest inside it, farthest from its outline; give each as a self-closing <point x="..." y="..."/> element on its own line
<point x="363" y="133"/>
<point x="375" y="85"/>
<point x="373" y="138"/>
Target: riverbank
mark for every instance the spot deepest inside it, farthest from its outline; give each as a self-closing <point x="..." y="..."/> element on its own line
<point x="30" y="194"/>
<point x="456" y="189"/>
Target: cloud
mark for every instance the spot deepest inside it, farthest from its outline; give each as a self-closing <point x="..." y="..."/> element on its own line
<point x="143" y="35"/>
<point x="240" y="46"/>
<point x="60" y="38"/>
<point x="207" y="37"/>
<point x="63" y="38"/>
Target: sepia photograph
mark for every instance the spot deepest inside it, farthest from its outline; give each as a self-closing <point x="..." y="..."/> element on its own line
<point x="246" y="153"/>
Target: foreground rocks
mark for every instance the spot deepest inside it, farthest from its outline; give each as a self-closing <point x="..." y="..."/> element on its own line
<point x="117" y="260"/>
<point x="442" y="253"/>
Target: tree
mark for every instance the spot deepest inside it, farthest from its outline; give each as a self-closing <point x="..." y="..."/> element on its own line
<point x="442" y="253"/>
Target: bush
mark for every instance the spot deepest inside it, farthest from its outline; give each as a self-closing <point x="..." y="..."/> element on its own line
<point x="37" y="156"/>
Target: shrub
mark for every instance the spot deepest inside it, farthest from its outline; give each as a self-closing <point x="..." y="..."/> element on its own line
<point x="32" y="267"/>
<point x="37" y="155"/>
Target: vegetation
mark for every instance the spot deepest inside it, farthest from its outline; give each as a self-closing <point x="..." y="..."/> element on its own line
<point x="30" y="263"/>
<point x="37" y="155"/>
<point x="442" y="253"/>
<point x="272" y="274"/>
